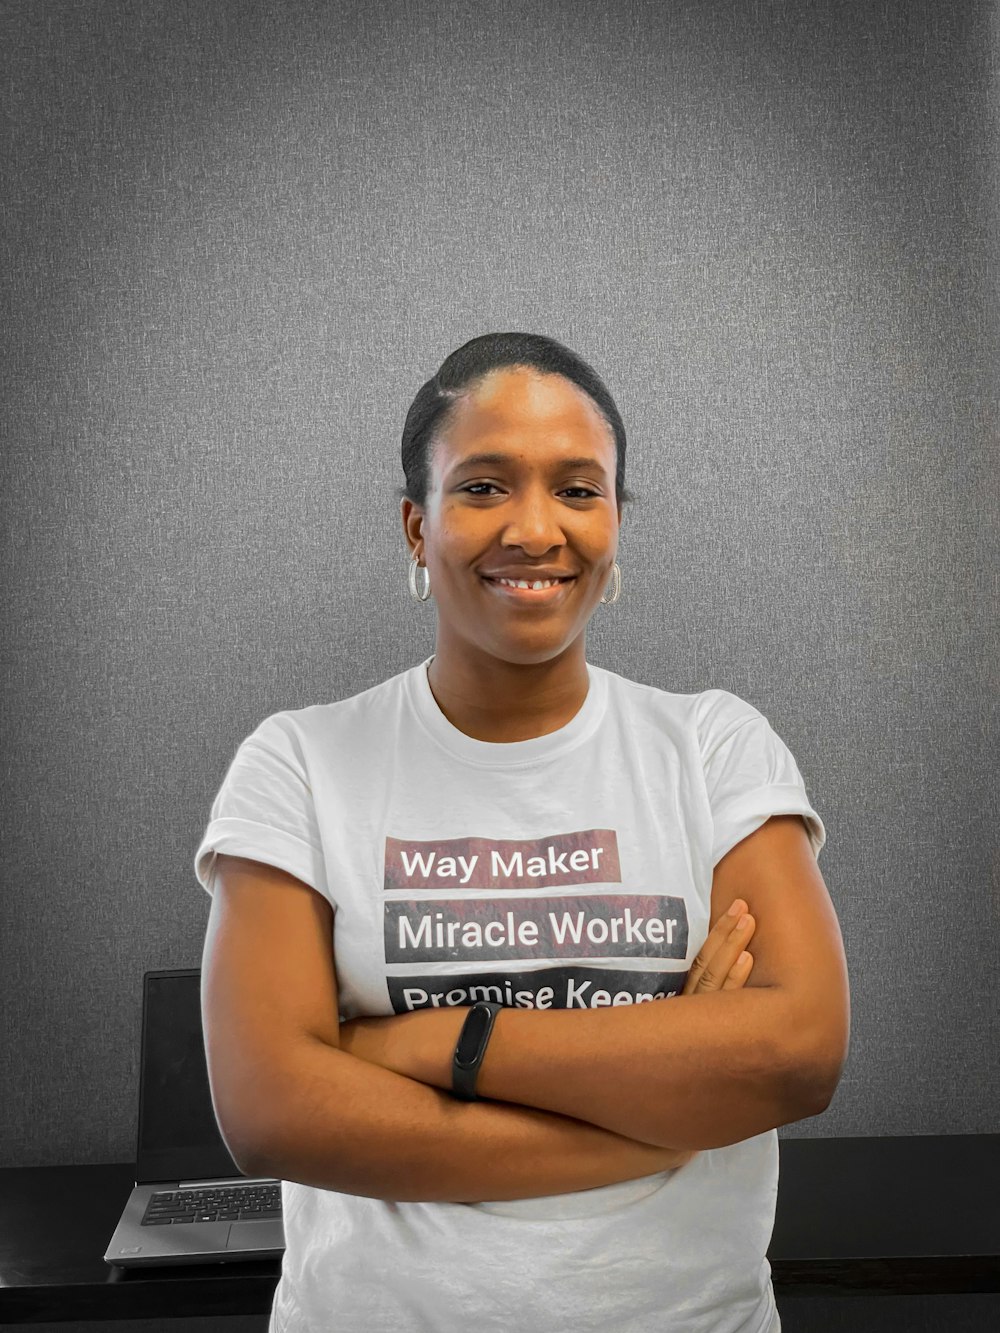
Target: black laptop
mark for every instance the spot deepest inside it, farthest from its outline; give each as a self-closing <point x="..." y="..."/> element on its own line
<point x="191" y="1203"/>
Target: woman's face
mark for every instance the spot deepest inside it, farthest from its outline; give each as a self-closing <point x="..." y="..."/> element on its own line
<point x="541" y="506"/>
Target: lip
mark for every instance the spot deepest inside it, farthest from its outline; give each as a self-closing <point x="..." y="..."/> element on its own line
<point x="530" y="596"/>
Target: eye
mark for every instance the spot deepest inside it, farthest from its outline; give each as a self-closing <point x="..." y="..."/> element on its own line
<point x="482" y="488"/>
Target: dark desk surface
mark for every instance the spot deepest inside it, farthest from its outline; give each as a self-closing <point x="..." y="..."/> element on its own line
<point x="905" y="1215"/>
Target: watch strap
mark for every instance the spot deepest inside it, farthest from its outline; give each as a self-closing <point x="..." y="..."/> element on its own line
<point x="464" y="1073"/>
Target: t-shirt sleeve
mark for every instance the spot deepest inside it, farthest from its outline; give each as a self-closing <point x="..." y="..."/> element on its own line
<point x="264" y="809"/>
<point x="750" y="773"/>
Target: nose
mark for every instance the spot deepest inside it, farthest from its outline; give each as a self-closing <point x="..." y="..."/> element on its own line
<point x="533" y="523"/>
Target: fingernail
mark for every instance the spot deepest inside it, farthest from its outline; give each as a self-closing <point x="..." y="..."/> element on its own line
<point x="736" y="908"/>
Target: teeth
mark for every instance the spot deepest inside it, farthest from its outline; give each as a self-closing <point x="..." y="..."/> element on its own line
<point x="523" y="583"/>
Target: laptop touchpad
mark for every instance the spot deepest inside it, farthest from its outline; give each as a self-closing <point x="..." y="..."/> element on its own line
<point x="269" y="1235"/>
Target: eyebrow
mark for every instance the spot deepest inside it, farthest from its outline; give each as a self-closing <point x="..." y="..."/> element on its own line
<point x="564" y="464"/>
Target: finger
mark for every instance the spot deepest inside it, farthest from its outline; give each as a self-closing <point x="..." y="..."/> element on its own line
<point x="717" y="936"/>
<point x="718" y="966"/>
<point x="739" y="972"/>
<point x="727" y="938"/>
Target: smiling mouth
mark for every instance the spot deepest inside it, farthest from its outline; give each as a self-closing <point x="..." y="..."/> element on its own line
<point x="551" y="593"/>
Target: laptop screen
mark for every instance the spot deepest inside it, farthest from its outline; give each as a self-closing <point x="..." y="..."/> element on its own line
<point x="179" y="1137"/>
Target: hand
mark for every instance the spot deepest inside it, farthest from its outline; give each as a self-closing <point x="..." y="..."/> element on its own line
<point x="721" y="963"/>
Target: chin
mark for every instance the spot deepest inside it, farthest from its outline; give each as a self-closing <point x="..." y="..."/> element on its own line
<point x="528" y="654"/>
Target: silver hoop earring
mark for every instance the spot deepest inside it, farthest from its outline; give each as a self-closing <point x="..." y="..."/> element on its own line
<point x="616" y="585"/>
<point x="414" y="566"/>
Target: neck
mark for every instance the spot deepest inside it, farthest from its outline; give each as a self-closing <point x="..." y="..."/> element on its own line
<point x="491" y="699"/>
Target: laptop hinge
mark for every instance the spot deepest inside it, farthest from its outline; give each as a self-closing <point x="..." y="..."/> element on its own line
<point x="226" y="1181"/>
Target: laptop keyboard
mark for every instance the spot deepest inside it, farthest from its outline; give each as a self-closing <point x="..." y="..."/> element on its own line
<point x="236" y="1203"/>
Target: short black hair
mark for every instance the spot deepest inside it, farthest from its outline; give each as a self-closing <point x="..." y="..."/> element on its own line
<point x="458" y="374"/>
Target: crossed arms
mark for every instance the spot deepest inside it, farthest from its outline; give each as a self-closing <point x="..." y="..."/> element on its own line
<point x="695" y="1071"/>
<point x="579" y="1098"/>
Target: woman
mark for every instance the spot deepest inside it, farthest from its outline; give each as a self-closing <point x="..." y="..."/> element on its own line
<point x="508" y="855"/>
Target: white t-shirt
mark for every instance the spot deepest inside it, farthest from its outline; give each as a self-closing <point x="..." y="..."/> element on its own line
<point x="568" y="870"/>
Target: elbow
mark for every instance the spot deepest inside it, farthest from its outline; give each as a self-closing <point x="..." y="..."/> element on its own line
<point x="825" y="1083"/>
<point x="255" y="1160"/>
<point x="244" y="1127"/>
<point x="804" y="1092"/>
<point x="820" y="1054"/>
<point x="819" y="1072"/>
<point x="253" y="1150"/>
<point x="246" y="1159"/>
<point x="255" y="1168"/>
<point x="812" y="1096"/>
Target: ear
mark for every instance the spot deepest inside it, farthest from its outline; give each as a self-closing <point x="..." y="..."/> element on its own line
<point x="413" y="522"/>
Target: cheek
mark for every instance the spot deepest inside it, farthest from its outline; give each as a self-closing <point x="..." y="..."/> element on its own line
<point x="599" y="547"/>
<point x="456" y="535"/>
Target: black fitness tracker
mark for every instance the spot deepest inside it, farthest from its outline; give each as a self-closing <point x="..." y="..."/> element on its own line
<point x="471" y="1047"/>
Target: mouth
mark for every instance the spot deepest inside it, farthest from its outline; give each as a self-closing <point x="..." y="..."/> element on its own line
<point x="555" y="592"/>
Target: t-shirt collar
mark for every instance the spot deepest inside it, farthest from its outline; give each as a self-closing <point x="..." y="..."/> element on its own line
<point x="505" y="754"/>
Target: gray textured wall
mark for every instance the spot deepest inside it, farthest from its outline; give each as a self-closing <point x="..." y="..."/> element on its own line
<point x="238" y="237"/>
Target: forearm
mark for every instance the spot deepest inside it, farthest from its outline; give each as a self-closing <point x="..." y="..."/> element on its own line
<point x="696" y="1071"/>
<point x="347" y="1125"/>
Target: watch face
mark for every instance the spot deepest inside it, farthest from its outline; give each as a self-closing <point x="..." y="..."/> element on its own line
<point x="471" y="1038"/>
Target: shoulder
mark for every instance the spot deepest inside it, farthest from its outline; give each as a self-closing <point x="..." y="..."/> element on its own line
<point x="712" y="714"/>
<point x="718" y="713"/>
<point x="299" y="729"/>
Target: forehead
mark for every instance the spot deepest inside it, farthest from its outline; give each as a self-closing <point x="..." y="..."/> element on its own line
<point x="521" y="406"/>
